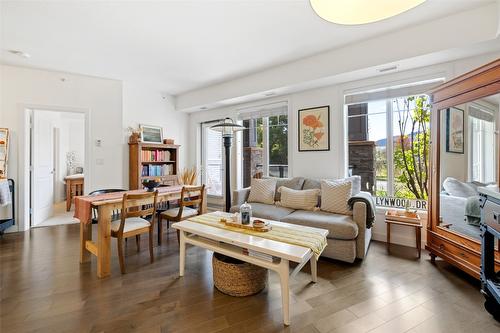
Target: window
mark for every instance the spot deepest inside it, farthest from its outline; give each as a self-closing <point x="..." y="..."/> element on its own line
<point x="212" y="160"/>
<point x="389" y="145"/>
<point x="482" y="152"/>
<point x="265" y="143"/>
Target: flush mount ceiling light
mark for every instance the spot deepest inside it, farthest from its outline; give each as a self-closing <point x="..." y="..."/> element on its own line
<point x="20" y="53"/>
<point x="351" y="12"/>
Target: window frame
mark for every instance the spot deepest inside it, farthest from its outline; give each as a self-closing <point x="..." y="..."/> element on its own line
<point x="389" y="117"/>
<point x="204" y="126"/>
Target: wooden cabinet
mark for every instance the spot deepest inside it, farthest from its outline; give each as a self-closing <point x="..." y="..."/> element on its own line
<point x="453" y="234"/>
<point x="153" y="161"/>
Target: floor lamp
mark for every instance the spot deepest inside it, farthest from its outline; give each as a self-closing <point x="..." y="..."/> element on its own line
<point x="227" y="127"/>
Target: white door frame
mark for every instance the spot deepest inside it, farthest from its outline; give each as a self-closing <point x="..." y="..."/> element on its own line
<point x="24" y="179"/>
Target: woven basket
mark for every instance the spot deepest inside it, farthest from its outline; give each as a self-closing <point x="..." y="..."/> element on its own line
<point x="237" y="278"/>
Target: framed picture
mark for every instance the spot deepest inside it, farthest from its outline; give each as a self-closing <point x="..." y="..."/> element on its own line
<point x="4" y="151"/>
<point x="455" y="131"/>
<point x="151" y="134"/>
<point x="314" y="129"/>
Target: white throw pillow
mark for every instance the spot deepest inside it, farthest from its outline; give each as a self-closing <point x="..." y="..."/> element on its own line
<point x="299" y="199"/>
<point x="262" y="190"/>
<point x="334" y="196"/>
<point x="356" y="183"/>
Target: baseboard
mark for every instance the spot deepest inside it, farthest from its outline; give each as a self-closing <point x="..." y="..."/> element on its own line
<point x="398" y="239"/>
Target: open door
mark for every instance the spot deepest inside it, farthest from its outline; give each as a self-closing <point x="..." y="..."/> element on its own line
<point x="42" y="167"/>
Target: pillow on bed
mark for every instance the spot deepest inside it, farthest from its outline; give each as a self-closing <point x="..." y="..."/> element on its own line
<point x="456" y="188"/>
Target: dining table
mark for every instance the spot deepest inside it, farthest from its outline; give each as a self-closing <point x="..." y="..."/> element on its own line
<point x="105" y="205"/>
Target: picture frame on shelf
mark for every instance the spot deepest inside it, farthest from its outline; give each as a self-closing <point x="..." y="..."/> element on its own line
<point x="314" y="129"/>
<point x="151" y="134"/>
<point x="455" y="139"/>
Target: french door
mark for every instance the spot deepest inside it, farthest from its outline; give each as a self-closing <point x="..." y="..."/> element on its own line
<point x="212" y="160"/>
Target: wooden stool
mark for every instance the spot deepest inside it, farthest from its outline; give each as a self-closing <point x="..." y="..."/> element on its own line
<point x="413" y="222"/>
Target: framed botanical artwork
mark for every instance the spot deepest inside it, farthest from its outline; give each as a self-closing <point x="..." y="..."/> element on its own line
<point x="4" y="151"/>
<point x="314" y="129"/>
<point x="151" y="134"/>
<point x="455" y="141"/>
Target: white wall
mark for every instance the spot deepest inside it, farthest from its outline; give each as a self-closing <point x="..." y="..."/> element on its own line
<point x="113" y="106"/>
<point x="54" y="90"/>
<point x="71" y="128"/>
<point x="333" y="164"/>
<point x="146" y="105"/>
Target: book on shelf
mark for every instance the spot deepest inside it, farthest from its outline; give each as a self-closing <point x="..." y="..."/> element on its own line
<point x="155" y="155"/>
<point x="259" y="255"/>
<point x="157" y="170"/>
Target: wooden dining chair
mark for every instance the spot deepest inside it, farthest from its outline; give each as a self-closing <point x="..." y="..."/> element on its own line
<point x="116" y="212"/>
<point x="190" y="196"/>
<point x="133" y="222"/>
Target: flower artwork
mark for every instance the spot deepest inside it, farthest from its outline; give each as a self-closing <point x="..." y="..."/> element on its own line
<point x="314" y="129"/>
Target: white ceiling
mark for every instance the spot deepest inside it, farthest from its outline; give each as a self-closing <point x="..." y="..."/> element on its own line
<point x="177" y="46"/>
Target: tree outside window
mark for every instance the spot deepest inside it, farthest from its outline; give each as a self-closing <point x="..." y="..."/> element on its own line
<point x="389" y="146"/>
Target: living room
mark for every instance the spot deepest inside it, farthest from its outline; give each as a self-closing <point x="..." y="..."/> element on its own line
<point x="363" y="148"/>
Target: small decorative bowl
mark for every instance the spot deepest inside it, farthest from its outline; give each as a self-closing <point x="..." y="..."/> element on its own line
<point x="150" y="185"/>
<point x="259" y="224"/>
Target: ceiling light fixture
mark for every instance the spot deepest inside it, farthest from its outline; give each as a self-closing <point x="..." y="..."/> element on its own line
<point x="351" y="12"/>
<point x="20" y="53"/>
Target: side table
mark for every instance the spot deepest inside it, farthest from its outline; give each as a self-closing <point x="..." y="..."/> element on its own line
<point x="407" y="220"/>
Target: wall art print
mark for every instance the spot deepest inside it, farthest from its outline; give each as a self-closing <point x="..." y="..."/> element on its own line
<point x="314" y="129"/>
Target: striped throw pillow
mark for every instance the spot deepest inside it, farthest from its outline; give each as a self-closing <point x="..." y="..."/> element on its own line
<point x="262" y="190"/>
<point x="299" y="199"/>
<point x="334" y="196"/>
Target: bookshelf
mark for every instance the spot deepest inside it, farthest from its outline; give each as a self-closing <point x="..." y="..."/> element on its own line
<point x="153" y="161"/>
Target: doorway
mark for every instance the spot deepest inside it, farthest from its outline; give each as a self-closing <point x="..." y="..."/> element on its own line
<point x="57" y="151"/>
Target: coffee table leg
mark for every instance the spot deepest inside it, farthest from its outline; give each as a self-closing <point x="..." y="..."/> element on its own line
<point x="284" y="272"/>
<point x="314" y="269"/>
<point x="182" y="252"/>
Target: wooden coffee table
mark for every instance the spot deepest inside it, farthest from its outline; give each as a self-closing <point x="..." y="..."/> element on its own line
<point x="235" y="244"/>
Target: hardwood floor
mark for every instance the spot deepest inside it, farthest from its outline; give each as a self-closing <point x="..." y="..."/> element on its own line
<point x="45" y="289"/>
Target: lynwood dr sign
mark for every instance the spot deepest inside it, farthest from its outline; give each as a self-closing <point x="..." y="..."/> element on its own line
<point x="401" y="203"/>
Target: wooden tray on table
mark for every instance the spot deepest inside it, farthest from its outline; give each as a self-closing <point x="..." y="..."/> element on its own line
<point x="402" y="216"/>
<point x="230" y="223"/>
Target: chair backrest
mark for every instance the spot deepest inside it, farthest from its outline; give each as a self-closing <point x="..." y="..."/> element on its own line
<point x="116" y="212"/>
<point x="138" y="205"/>
<point x="107" y="190"/>
<point x="191" y="196"/>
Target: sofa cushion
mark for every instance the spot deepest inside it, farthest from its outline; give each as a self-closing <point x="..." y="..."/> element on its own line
<point x="339" y="226"/>
<point x="294" y="183"/>
<point x="265" y="211"/>
<point x="262" y="190"/>
<point x="298" y="199"/>
<point x="310" y="183"/>
<point x="335" y="196"/>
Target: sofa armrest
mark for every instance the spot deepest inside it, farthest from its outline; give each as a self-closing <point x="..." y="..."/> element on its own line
<point x="364" y="234"/>
<point x="240" y="196"/>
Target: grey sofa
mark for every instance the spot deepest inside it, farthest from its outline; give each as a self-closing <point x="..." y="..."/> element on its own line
<point x="348" y="237"/>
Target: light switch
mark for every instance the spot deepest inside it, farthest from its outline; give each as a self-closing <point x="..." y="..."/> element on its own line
<point x="98" y="143"/>
<point x="99" y="161"/>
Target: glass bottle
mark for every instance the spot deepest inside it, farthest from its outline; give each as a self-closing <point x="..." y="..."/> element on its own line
<point x="246" y="213"/>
